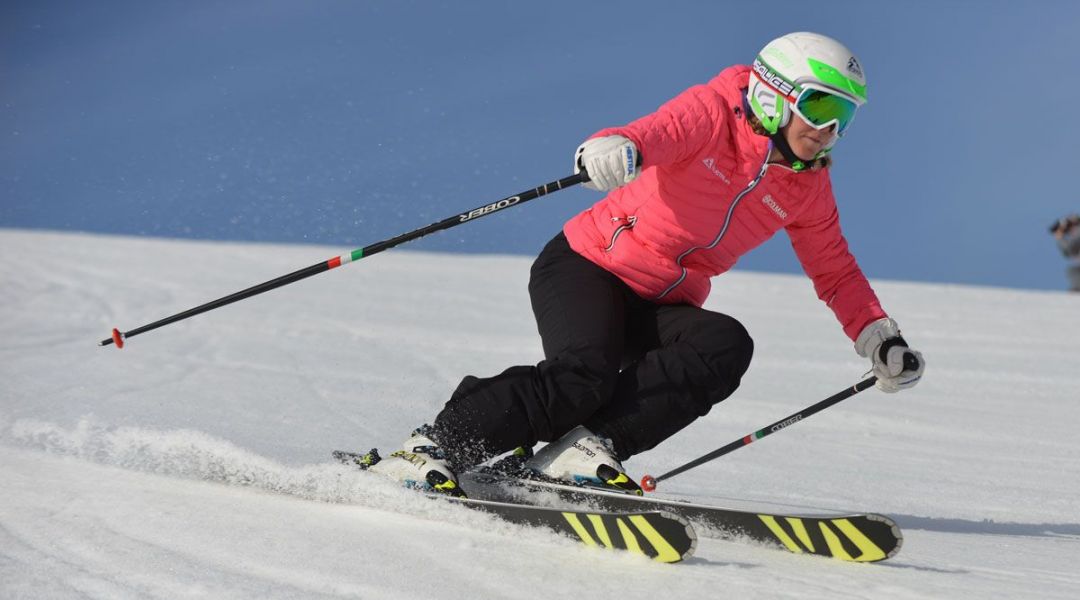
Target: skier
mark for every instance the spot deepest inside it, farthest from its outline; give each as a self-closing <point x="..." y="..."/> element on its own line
<point x="631" y="357"/>
<point x="1066" y="232"/>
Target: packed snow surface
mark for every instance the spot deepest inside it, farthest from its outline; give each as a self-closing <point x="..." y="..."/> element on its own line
<point x="195" y="461"/>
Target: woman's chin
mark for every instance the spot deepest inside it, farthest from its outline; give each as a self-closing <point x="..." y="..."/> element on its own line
<point x="807" y="153"/>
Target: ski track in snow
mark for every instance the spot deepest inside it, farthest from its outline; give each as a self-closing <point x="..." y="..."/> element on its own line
<point x="194" y="463"/>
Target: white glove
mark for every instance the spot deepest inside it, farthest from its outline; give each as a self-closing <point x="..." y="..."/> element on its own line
<point x="610" y="162"/>
<point x="897" y="366"/>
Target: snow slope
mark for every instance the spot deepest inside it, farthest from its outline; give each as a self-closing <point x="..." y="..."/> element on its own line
<point x="194" y="463"/>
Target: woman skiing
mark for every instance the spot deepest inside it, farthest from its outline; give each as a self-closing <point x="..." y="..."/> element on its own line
<point x="631" y="357"/>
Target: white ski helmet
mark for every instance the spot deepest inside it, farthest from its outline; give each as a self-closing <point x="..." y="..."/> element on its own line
<point x="810" y="74"/>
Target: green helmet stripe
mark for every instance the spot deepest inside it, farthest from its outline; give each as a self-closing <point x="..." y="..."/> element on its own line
<point x="831" y="77"/>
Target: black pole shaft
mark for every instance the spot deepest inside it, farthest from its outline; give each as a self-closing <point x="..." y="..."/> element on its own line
<point x="447" y="223"/>
<point x="773" y="428"/>
<point x="235" y="297"/>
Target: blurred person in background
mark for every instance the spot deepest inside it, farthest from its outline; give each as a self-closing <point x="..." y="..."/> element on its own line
<point x="1066" y="231"/>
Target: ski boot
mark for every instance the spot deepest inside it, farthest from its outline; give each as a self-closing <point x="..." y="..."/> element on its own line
<point x="421" y="464"/>
<point x="583" y="458"/>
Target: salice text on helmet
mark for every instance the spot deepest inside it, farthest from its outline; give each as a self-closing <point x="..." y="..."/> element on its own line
<point x="771" y="78"/>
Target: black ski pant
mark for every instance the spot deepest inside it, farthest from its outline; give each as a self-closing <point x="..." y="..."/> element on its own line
<point x="630" y="370"/>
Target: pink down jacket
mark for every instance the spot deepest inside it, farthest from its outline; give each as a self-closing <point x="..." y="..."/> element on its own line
<point x="705" y="197"/>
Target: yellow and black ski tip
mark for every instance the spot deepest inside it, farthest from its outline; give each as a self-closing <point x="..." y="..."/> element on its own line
<point x="861" y="538"/>
<point x="664" y="537"/>
<point x="659" y="535"/>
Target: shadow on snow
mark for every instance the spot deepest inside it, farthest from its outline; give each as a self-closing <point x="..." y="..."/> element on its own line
<point x="987" y="527"/>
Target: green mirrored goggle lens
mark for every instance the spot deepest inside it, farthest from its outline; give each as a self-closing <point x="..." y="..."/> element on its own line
<point x="821" y="108"/>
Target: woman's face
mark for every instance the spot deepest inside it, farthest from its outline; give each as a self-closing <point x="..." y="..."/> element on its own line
<point x="805" y="141"/>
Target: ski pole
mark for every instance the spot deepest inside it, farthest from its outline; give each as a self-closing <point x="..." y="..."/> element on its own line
<point x="118" y="337"/>
<point x="648" y="482"/>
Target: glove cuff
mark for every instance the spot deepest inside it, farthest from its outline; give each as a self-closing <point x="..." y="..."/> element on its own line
<point x="875" y="334"/>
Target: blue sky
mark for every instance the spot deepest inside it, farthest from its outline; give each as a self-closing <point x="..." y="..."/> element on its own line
<point x="345" y="123"/>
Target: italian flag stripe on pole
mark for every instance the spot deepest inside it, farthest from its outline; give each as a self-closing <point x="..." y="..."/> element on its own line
<point x="345" y="259"/>
<point x="752" y="437"/>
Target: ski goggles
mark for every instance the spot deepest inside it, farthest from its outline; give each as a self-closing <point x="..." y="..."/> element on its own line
<point x="821" y="108"/>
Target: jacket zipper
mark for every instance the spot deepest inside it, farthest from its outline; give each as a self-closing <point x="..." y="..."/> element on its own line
<point x="724" y="227"/>
<point x="630" y="221"/>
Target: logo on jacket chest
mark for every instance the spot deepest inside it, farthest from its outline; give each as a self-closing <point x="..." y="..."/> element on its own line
<point x="710" y="163"/>
<point x="767" y="200"/>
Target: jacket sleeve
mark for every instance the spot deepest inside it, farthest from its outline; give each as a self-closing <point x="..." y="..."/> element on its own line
<point x="838" y="280"/>
<point x="678" y="129"/>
